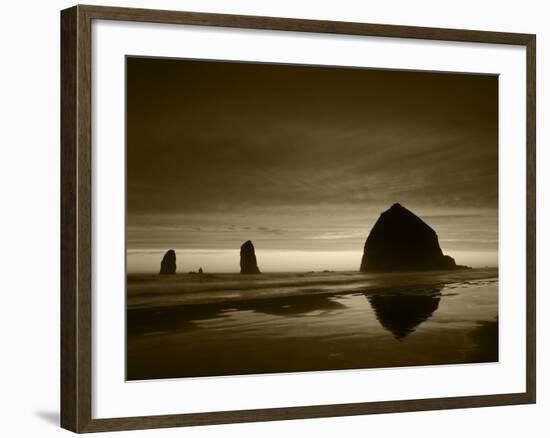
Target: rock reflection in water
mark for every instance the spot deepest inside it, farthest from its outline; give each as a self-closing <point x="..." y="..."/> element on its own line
<point x="402" y="313"/>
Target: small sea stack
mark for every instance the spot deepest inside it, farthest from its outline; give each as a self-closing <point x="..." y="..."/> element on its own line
<point x="168" y="263"/>
<point x="249" y="264"/>
<point x="401" y="241"/>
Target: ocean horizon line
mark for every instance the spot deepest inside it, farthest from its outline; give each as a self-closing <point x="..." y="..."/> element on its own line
<point x="315" y="271"/>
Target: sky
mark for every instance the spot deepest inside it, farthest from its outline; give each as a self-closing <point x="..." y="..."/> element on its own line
<point x="302" y="160"/>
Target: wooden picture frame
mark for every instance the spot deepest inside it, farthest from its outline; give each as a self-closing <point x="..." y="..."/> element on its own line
<point x="76" y="218"/>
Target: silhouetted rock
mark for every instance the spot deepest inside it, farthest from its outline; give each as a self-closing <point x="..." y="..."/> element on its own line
<point x="200" y="271"/>
<point x="401" y="241"/>
<point x="248" y="259"/>
<point x="168" y="263"/>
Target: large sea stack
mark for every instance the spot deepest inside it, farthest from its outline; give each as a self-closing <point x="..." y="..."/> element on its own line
<point x="401" y="241"/>
<point x="168" y="263"/>
<point x="249" y="264"/>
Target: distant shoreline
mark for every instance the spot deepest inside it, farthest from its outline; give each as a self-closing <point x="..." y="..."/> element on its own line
<point x="325" y="271"/>
<point x="150" y="291"/>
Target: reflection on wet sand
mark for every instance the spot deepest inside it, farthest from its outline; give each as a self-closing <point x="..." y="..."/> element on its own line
<point x="402" y="313"/>
<point x="164" y="319"/>
<point x="485" y="338"/>
<point x="195" y="333"/>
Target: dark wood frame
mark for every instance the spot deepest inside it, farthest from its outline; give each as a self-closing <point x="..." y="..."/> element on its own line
<point x="76" y="168"/>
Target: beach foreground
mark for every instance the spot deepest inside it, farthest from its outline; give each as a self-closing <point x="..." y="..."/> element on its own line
<point x="191" y="325"/>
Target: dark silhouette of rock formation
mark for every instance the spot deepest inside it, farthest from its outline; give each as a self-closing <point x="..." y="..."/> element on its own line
<point x="200" y="271"/>
<point x="401" y="241"/>
<point x="168" y="263"/>
<point x="249" y="264"/>
<point x="401" y="314"/>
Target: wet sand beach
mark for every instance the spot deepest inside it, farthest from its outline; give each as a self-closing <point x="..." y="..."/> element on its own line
<point x="191" y="325"/>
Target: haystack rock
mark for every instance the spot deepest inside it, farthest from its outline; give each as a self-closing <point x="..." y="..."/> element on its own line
<point x="168" y="263"/>
<point x="401" y="241"/>
<point x="249" y="264"/>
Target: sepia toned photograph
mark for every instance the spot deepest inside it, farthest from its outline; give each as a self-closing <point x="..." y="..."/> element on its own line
<point x="296" y="218"/>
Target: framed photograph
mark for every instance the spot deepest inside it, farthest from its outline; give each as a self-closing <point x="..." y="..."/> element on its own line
<point x="270" y="218"/>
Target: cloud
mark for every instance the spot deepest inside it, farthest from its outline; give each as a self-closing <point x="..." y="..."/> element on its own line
<point x="217" y="137"/>
<point x="301" y="157"/>
<point x="269" y="230"/>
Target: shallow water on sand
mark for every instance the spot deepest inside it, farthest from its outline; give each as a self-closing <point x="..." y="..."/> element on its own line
<point x="212" y="325"/>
